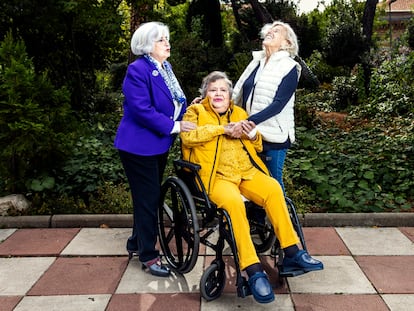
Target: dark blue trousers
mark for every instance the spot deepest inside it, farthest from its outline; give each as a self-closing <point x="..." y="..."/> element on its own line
<point x="144" y="175"/>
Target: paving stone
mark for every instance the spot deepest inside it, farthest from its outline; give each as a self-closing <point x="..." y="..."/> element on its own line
<point x="64" y="303"/>
<point x="7" y="303"/>
<point x="17" y="275"/>
<point x="5" y="233"/>
<point x="136" y="280"/>
<point x="389" y="274"/>
<point x="99" y="241"/>
<point x="305" y="302"/>
<point x="324" y="241"/>
<point x="79" y="276"/>
<point x="33" y="242"/>
<point x="409" y="232"/>
<point x="230" y="302"/>
<point x="154" y="302"/>
<point x="366" y="268"/>
<point x="399" y="302"/>
<point x="341" y="275"/>
<point x="376" y="241"/>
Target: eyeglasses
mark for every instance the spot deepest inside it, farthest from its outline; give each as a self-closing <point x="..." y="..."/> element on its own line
<point x="163" y="40"/>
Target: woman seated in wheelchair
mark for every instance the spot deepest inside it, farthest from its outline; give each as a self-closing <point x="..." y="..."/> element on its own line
<point x="225" y="144"/>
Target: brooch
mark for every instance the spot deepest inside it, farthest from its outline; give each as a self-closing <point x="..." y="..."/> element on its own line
<point x="155" y="73"/>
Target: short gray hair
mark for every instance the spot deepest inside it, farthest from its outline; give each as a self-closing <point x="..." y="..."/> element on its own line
<point x="213" y="77"/>
<point x="293" y="48"/>
<point x="143" y="39"/>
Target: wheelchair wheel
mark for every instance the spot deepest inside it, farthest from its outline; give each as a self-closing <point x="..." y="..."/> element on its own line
<point x="212" y="282"/>
<point x="178" y="226"/>
<point x="261" y="230"/>
<point x="295" y="222"/>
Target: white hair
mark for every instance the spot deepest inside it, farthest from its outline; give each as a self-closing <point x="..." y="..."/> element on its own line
<point x="293" y="47"/>
<point x="143" y="39"/>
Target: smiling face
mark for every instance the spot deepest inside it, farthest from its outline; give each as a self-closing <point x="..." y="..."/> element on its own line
<point x="161" y="50"/>
<point x="275" y="39"/>
<point x="219" y="95"/>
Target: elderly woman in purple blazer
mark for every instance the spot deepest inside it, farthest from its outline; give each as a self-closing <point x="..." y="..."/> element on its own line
<point x="153" y="107"/>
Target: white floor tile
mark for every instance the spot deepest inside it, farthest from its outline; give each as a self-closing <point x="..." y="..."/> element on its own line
<point x="136" y="280"/>
<point x="341" y="275"/>
<point x="99" y="241"/>
<point x="17" y="275"/>
<point x="5" y="233"/>
<point x="376" y="241"/>
<point x="399" y="302"/>
<point x="64" y="303"/>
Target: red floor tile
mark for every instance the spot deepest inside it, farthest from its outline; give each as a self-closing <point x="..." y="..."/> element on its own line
<point x="7" y="303"/>
<point x="84" y="275"/>
<point x="37" y="242"/>
<point x="324" y="241"/>
<point x="389" y="274"/>
<point x="408" y="232"/>
<point x="306" y="302"/>
<point x="154" y="302"/>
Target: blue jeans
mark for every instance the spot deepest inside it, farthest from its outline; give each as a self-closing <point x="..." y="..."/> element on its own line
<point x="275" y="159"/>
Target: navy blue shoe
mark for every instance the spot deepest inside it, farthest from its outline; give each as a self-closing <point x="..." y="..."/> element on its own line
<point x="302" y="261"/>
<point x="260" y="287"/>
<point x="156" y="267"/>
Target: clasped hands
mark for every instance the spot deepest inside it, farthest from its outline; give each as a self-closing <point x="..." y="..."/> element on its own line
<point x="238" y="129"/>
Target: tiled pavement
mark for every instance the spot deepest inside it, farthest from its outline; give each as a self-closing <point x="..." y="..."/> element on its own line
<point x="366" y="268"/>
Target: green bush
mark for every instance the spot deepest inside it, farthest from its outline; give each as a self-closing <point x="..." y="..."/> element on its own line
<point x="35" y="122"/>
<point x="354" y="171"/>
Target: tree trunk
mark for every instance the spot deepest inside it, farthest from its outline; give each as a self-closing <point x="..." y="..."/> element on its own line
<point x="262" y="15"/>
<point x="367" y="24"/>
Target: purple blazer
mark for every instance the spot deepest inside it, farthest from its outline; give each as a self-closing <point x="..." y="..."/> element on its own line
<point x="148" y="111"/>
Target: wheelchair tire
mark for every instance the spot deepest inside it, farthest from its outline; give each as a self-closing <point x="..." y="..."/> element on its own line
<point x="261" y="230"/>
<point x="295" y="222"/>
<point x="178" y="227"/>
<point x="212" y="282"/>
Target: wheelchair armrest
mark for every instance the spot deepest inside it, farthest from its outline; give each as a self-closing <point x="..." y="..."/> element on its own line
<point x="185" y="164"/>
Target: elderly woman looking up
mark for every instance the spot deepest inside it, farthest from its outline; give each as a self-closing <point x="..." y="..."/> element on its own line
<point x="266" y="89"/>
<point x="225" y="146"/>
<point x="153" y="107"/>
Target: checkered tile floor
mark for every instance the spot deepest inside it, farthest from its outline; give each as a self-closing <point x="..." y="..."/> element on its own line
<point x="88" y="269"/>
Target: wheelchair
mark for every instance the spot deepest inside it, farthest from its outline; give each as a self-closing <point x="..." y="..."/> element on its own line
<point x="187" y="217"/>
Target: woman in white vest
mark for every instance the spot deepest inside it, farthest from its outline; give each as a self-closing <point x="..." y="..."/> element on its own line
<point x="266" y="90"/>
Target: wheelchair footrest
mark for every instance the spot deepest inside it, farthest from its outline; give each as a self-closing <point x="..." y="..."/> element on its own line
<point x="243" y="289"/>
<point x="288" y="274"/>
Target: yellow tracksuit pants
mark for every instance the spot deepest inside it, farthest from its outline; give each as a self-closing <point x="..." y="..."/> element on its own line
<point x="265" y="191"/>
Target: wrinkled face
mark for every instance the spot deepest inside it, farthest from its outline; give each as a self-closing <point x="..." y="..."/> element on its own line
<point x="162" y="49"/>
<point x="219" y="95"/>
<point x="275" y="38"/>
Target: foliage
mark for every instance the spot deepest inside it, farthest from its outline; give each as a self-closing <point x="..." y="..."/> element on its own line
<point x="343" y="43"/>
<point x="69" y="39"/>
<point x="324" y="71"/>
<point x="358" y="171"/>
<point x="35" y="131"/>
<point x="68" y="165"/>
<point x="93" y="162"/>
<point x="391" y="89"/>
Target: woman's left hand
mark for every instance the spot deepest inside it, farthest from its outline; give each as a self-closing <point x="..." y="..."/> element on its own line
<point x="249" y="129"/>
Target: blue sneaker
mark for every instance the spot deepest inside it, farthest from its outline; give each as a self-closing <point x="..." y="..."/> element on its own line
<point x="302" y="261"/>
<point x="260" y="287"/>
